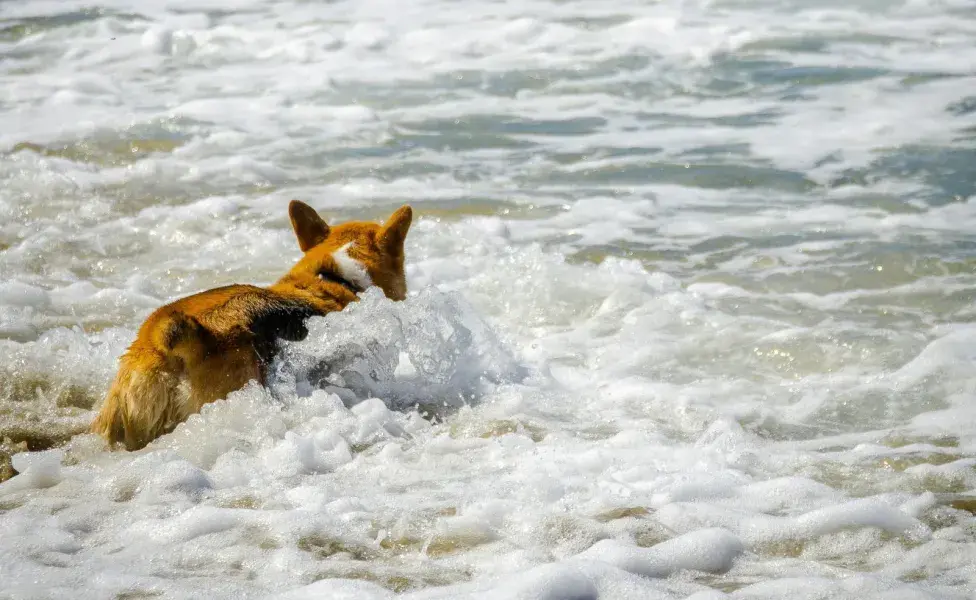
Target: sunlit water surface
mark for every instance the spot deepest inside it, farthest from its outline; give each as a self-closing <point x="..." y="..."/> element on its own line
<point x="695" y="273"/>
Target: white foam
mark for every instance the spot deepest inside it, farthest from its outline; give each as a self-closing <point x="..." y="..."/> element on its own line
<point x="707" y="550"/>
<point x="690" y="306"/>
<point x="257" y="446"/>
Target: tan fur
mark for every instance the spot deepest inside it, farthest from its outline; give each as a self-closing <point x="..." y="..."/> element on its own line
<point x="202" y="347"/>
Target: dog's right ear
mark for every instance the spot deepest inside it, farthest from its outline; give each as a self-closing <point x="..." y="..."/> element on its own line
<point x="309" y="227"/>
<point x="394" y="231"/>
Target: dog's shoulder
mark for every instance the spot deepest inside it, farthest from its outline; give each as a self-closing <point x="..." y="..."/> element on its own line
<point x="262" y="312"/>
<point x="272" y="315"/>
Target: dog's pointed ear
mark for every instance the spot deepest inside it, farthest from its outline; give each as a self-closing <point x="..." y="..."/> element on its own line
<point x="309" y="227"/>
<point x="394" y="231"/>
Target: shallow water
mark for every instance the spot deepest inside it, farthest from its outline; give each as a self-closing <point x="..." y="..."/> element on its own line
<point x="691" y="313"/>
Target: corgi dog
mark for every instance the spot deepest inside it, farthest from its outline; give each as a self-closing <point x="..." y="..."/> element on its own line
<point x="200" y="348"/>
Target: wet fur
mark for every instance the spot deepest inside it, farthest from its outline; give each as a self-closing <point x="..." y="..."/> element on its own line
<point x="200" y="348"/>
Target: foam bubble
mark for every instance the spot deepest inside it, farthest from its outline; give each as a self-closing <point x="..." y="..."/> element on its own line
<point x="689" y="316"/>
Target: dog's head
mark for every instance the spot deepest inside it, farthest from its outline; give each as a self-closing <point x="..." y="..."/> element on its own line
<point x="354" y="255"/>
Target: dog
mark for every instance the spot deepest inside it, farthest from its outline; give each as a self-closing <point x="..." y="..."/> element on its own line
<point x="200" y="348"/>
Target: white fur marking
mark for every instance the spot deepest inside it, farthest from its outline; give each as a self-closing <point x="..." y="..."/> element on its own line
<point x="351" y="269"/>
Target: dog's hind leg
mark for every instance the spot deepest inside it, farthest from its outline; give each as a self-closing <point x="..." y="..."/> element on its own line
<point x="150" y="394"/>
<point x="144" y="402"/>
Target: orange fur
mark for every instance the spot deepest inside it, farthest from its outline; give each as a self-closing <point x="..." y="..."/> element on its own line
<point x="200" y="348"/>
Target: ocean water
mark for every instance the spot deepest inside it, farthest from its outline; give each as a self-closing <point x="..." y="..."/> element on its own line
<point x="691" y="316"/>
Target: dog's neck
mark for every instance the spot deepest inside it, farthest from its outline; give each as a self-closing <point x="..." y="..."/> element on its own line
<point x="340" y="280"/>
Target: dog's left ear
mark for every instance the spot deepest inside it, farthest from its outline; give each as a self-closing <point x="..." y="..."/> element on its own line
<point x="394" y="231"/>
<point x="309" y="227"/>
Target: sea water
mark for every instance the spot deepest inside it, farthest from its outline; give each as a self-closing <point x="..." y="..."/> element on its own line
<point x="691" y="305"/>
